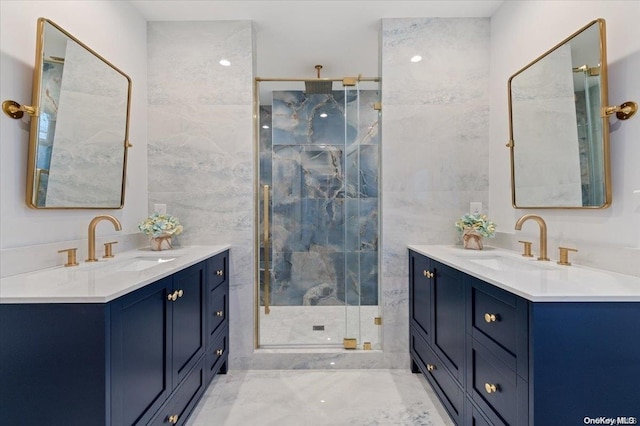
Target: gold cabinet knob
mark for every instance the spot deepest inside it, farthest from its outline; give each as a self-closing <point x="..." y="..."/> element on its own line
<point x="71" y="257"/>
<point x="219" y="352"/>
<point x="180" y="293"/>
<point x="219" y="313"/>
<point x="427" y="274"/>
<point x="431" y="367"/>
<point x="173" y="419"/>
<point x="490" y="387"/>
<point x="220" y="273"/>
<point x="490" y="317"/>
<point x="173" y="296"/>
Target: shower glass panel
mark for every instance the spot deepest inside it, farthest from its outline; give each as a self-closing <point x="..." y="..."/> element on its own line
<point x="318" y="204"/>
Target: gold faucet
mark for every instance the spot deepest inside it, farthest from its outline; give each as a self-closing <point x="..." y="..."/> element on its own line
<point x="543" y="232"/>
<point x="92" y="233"/>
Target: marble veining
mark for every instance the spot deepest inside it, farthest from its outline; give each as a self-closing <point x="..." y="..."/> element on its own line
<point x="321" y="397"/>
<point x="321" y="159"/>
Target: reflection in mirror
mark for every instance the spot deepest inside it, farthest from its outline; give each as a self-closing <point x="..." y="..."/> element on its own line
<point x="559" y="141"/>
<point x="79" y="138"/>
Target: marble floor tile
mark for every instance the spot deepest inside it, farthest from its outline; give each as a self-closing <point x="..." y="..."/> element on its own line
<point x="319" y="397"/>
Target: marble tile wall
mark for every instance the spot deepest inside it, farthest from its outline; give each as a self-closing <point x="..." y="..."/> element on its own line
<point x="434" y="155"/>
<point x="435" y="147"/>
<point x="321" y="160"/>
<point x="200" y="149"/>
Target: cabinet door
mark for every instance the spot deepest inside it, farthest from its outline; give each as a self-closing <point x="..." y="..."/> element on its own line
<point x="421" y="292"/>
<point x="188" y="320"/>
<point x="140" y="353"/>
<point x="448" y="324"/>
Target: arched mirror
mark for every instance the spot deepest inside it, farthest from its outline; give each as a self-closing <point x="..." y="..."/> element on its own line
<point x="559" y="137"/>
<point x="79" y="127"/>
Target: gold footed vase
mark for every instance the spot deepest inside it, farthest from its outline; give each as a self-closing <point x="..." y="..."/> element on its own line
<point x="472" y="239"/>
<point x="160" y="243"/>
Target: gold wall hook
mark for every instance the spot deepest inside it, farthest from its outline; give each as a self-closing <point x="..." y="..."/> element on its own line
<point x="15" y="110"/>
<point x="622" y="112"/>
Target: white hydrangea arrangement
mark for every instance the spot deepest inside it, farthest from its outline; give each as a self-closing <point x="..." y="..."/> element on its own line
<point x="160" y="225"/>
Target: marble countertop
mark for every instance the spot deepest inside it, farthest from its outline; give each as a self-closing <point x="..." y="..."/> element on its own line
<point x="538" y="281"/>
<point x="102" y="281"/>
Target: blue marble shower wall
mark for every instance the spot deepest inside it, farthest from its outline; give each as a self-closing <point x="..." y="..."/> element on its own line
<point x="320" y="155"/>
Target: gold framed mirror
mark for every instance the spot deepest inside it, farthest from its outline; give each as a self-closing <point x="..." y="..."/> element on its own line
<point x="79" y="130"/>
<point x="559" y="135"/>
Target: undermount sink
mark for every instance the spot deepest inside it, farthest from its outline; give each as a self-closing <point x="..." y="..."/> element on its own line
<point x="502" y="263"/>
<point x="138" y="263"/>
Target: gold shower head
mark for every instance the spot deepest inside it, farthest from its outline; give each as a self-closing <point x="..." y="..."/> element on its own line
<point x="318" y="86"/>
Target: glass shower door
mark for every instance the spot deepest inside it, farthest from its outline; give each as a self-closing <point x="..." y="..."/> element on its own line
<point x="314" y="233"/>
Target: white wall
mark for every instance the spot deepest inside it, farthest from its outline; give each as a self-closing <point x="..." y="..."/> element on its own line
<point x="116" y="31"/>
<point x="520" y="32"/>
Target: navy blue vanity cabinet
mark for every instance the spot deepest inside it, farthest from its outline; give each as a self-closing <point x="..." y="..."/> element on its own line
<point x="497" y="353"/>
<point x="420" y="294"/>
<point x="217" y="326"/>
<point x="141" y="344"/>
<point x="585" y="362"/>
<point x="157" y="339"/>
<point x="52" y="364"/>
<point x="140" y="359"/>
<point x="525" y="362"/>
<point x="437" y="312"/>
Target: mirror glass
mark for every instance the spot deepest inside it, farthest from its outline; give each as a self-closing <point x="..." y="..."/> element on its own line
<point x="79" y="135"/>
<point x="559" y="141"/>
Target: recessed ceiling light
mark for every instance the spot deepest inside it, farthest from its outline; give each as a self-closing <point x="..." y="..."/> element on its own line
<point x="416" y="58"/>
<point x="323" y="115"/>
<point x="225" y="62"/>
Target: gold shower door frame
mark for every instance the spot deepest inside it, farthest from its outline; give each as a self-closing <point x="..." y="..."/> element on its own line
<point x="263" y="239"/>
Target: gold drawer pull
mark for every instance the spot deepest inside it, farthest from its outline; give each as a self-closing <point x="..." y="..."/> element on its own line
<point x="219" y="313"/>
<point x="220" y="273"/>
<point x="490" y="388"/>
<point x="431" y="367"/>
<point x="490" y="317"/>
<point x="172" y="297"/>
<point x="173" y="419"/>
<point x="427" y="274"/>
<point x="219" y="352"/>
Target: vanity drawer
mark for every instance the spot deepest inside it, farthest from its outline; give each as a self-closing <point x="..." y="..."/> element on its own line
<point x="217" y="269"/>
<point x="494" y="315"/>
<point x="449" y="393"/>
<point x="475" y="417"/>
<point x="496" y="388"/>
<point x="218" y="310"/>
<point x="216" y="354"/>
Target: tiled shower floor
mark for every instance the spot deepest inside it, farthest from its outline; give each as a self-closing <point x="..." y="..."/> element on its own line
<point x="319" y="397"/>
<point x="294" y="325"/>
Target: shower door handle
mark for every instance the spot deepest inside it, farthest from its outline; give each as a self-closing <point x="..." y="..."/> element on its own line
<point x="267" y="249"/>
